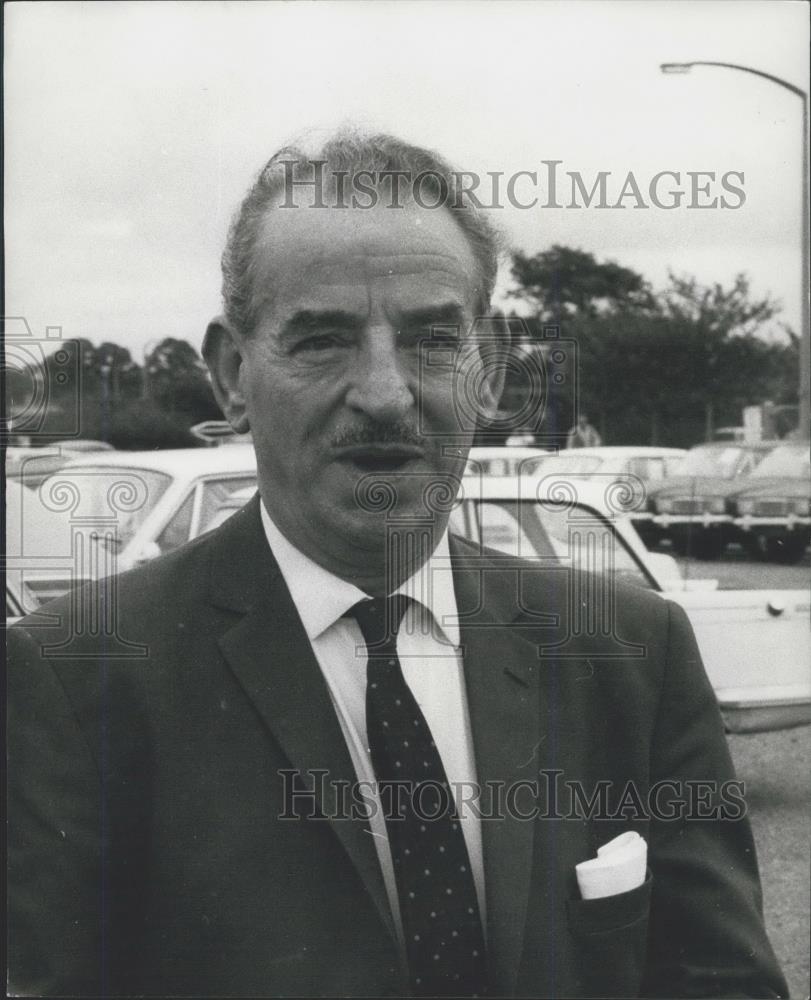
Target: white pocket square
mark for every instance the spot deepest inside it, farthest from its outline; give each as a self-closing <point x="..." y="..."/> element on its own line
<point x="620" y="866"/>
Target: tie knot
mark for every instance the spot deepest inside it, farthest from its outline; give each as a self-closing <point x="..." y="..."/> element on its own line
<point x="379" y="619"/>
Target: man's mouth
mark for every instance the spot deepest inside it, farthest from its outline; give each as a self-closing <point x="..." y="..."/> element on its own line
<point x="379" y="457"/>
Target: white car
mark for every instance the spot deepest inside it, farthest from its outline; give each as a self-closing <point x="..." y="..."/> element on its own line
<point x="111" y="511"/>
<point x="755" y="643"/>
<point x="512" y="460"/>
<point x="647" y="462"/>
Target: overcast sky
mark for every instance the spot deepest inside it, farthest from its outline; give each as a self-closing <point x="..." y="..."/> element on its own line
<point x="133" y="129"/>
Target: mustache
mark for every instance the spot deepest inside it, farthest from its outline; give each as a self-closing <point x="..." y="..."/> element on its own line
<point x="374" y="432"/>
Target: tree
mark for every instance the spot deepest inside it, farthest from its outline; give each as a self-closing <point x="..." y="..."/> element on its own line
<point x="176" y="378"/>
<point x="142" y="424"/>
<point x="564" y="282"/>
<point x="101" y="393"/>
<point x="660" y="368"/>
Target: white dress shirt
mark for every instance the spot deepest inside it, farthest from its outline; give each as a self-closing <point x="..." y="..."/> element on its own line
<point x="427" y="646"/>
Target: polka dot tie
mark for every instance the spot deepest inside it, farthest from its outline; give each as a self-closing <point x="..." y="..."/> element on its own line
<point x="438" y="904"/>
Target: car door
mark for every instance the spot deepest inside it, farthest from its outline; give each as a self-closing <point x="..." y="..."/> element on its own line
<point x="756" y="644"/>
<point x="756" y="647"/>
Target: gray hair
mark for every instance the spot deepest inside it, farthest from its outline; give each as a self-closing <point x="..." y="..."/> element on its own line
<point x="353" y="152"/>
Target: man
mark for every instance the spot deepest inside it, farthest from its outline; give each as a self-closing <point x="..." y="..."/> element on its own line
<point x="184" y="821"/>
<point x="583" y="435"/>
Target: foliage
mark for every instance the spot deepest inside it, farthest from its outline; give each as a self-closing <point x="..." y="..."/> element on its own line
<point x="563" y="282"/>
<point x="654" y="368"/>
<point x="144" y="424"/>
<point x="177" y="380"/>
<point x="102" y="393"/>
<point x="659" y="368"/>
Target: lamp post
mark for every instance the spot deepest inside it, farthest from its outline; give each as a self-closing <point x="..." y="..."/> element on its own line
<point x="804" y="426"/>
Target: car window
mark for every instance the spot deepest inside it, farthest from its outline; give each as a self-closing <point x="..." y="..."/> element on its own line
<point x="457" y="523"/>
<point x="222" y="514"/>
<point x="572" y="464"/>
<point x="747" y="464"/>
<point x="790" y="461"/>
<point x="530" y="466"/>
<point x="558" y="533"/>
<point x="500" y="528"/>
<point x="214" y="492"/>
<point x="722" y="462"/>
<point x="95" y="494"/>
<point x="647" y="468"/>
<point x="177" y="531"/>
<point x="674" y="465"/>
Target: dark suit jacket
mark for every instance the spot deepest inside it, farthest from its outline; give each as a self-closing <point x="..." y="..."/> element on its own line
<point x="147" y="855"/>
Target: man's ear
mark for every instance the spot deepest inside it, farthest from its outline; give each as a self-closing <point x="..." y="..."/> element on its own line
<point x="494" y="372"/>
<point x="223" y="355"/>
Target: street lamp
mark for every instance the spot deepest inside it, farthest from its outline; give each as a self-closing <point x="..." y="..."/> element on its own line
<point x="805" y="331"/>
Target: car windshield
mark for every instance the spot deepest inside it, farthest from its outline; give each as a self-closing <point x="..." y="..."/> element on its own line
<point x="575" y="536"/>
<point x="504" y="463"/>
<point x="105" y="497"/>
<point x="721" y="462"/>
<point x="792" y="461"/>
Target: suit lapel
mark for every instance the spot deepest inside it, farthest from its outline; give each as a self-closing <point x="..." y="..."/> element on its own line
<point x="268" y="651"/>
<point x="502" y="678"/>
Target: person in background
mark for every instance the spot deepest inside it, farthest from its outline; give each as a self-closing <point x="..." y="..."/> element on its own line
<point x="583" y="435"/>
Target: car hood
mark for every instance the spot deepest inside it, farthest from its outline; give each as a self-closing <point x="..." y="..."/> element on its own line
<point x="778" y="487"/>
<point x="699" y="486"/>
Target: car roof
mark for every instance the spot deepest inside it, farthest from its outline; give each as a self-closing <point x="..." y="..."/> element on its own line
<point x="489" y="487"/>
<point x="619" y="451"/>
<point x="508" y="451"/>
<point x="175" y="461"/>
<point x="753" y="445"/>
<point x="553" y="488"/>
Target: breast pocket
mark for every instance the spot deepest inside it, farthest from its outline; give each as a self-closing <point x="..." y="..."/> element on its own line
<point x="610" y="937"/>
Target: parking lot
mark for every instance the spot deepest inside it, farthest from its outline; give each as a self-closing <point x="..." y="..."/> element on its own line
<point x="737" y="572"/>
<point x="774" y="767"/>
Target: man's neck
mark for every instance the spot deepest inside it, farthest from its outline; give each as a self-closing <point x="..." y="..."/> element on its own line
<point x="378" y="572"/>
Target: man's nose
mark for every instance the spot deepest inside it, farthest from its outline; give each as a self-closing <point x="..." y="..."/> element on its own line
<point x="381" y="383"/>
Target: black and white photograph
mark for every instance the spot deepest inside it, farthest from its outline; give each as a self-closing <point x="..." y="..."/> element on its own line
<point x="407" y="498"/>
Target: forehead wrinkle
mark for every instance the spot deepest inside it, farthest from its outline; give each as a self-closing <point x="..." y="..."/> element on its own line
<point x="381" y="265"/>
<point x="351" y="261"/>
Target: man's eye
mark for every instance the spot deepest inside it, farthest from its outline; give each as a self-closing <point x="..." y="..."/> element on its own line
<point x="320" y="342"/>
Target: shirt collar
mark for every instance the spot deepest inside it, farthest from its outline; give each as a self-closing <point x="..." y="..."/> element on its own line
<point x="431" y="585"/>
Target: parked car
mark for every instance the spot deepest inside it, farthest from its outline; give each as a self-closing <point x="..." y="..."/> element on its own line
<point x="32" y="465"/>
<point x="648" y="463"/>
<point x="755" y="643"/>
<point x="109" y="511"/>
<point x="772" y="514"/>
<point x="507" y="460"/>
<point x="638" y="469"/>
<point x="83" y="445"/>
<point x="693" y="510"/>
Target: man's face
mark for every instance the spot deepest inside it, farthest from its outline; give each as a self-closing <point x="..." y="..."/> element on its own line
<point x="334" y="387"/>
